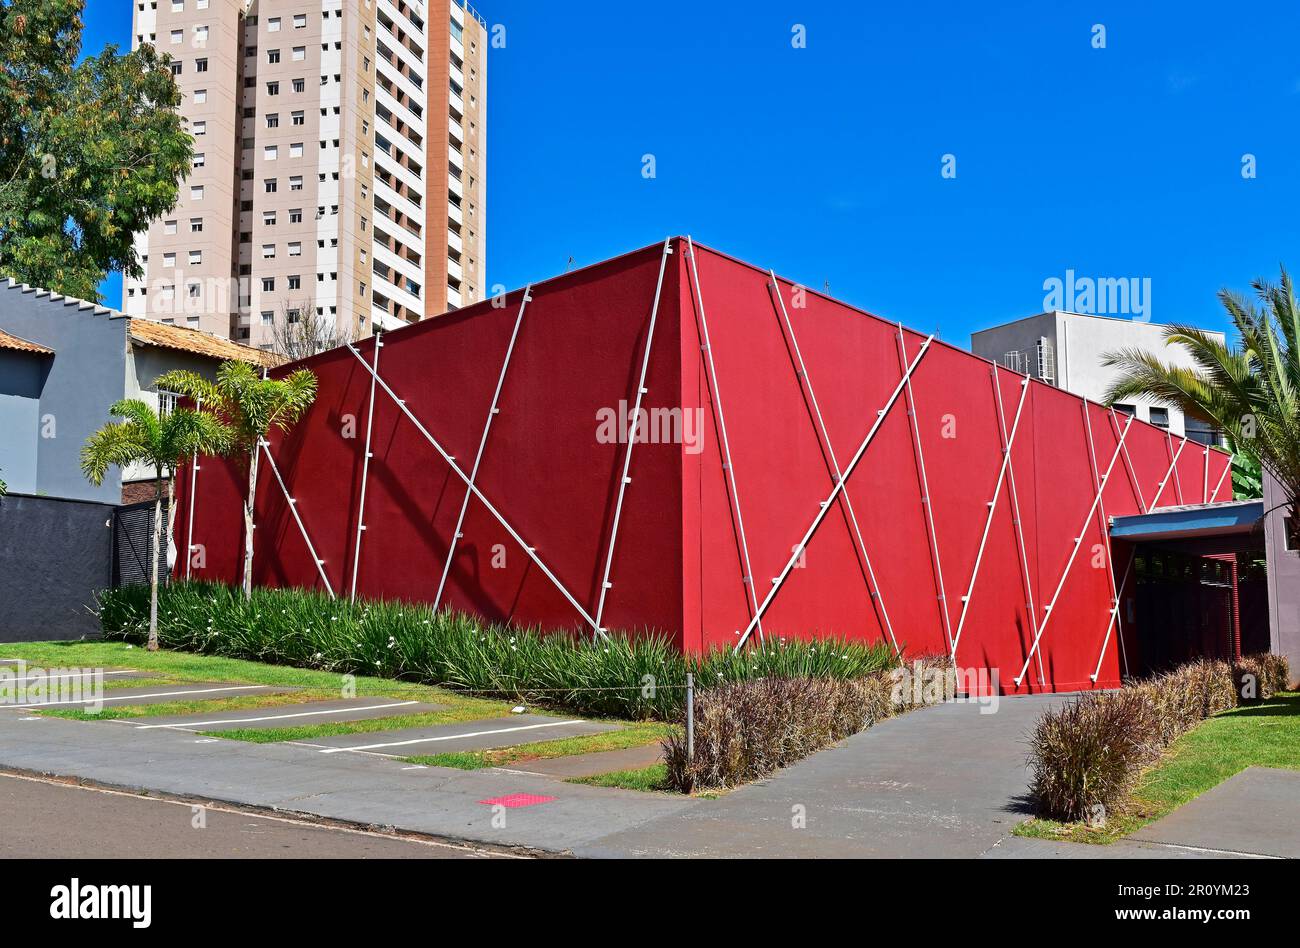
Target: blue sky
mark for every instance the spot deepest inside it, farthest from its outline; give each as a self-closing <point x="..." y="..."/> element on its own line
<point x="824" y="162"/>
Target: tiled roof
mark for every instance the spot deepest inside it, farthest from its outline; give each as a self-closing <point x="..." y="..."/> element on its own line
<point x="150" y="333"/>
<point x="22" y="345"/>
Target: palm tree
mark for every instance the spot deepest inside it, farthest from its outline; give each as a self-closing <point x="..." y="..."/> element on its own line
<point x="163" y="442"/>
<point x="250" y="405"/>
<point x="1251" y="390"/>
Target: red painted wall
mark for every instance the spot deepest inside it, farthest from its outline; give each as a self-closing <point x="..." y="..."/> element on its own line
<point x="679" y="561"/>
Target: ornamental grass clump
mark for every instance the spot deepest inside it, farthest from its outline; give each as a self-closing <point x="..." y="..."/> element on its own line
<point x="1087" y="756"/>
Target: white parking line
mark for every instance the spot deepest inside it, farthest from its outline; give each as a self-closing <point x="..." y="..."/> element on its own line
<point x="157" y="694"/>
<point x="448" y="737"/>
<point x="198" y="725"/>
<point x="124" y="671"/>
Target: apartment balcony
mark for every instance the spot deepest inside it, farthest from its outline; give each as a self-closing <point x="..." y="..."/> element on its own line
<point x="454" y="269"/>
<point x="453" y="241"/>
<point x="454" y="298"/>
<point x="455" y="214"/>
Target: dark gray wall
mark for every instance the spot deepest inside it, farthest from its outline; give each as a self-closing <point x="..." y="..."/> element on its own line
<point x="1283" y="579"/>
<point x="54" y="556"/>
<point x="85" y="376"/>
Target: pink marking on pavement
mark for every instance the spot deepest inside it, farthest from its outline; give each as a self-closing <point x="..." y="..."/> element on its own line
<point x="513" y="800"/>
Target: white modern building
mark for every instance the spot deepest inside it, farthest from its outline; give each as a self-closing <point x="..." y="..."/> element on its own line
<point x="1066" y="349"/>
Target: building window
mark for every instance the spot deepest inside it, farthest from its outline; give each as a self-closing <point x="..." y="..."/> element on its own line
<point x="1160" y="417"/>
<point x="1201" y="431"/>
<point x="295" y="249"/>
<point x="268" y="251"/>
<point x="196" y="257"/>
<point x="200" y="96"/>
<point x="295" y="215"/>
<point x="299" y="85"/>
<point x="196" y="225"/>
<point x="268" y="284"/>
<point x="169" y="260"/>
<point x="273" y="25"/>
<point x="201" y="65"/>
<point x="200" y="36"/>
<point x="270" y="185"/>
<point x="295" y="182"/>
<point x="176" y="69"/>
<point x="200" y="128"/>
<point x="1129" y="410"/>
<point x="268" y="218"/>
<point x="196" y="192"/>
<point x="295" y="281"/>
<point x="177" y="37"/>
<point x="169" y="227"/>
<point x="272" y="119"/>
<point x="268" y="317"/>
<point x="271" y="152"/>
<point x="199" y="160"/>
<point x="272" y="56"/>
<point x="299" y="53"/>
<point x="273" y="88"/>
<point x="299" y="21"/>
<point x="295" y="150"/>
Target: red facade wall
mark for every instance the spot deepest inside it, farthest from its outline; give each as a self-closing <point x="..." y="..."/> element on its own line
<point x="678" y="563"/>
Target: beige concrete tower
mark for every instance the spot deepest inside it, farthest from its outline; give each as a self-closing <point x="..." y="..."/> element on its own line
<point x="324" y="132"/>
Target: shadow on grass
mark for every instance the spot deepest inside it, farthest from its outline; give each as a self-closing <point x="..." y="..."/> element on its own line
<point x="1285" y="705"/>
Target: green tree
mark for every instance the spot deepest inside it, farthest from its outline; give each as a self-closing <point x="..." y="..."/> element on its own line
<point x="90" y="153"/>
<point x="163" y="443"/>
<point x="1251" y="389"/>
<point x="250" y="406"/>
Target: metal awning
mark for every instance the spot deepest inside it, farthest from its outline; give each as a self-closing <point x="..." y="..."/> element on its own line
<point x="1230" y="518"/>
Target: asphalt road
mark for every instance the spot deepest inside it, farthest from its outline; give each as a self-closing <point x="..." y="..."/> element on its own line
<point x="48" y="819"/>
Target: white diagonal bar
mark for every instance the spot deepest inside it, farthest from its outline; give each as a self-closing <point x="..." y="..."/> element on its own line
<point x="1205" y="486"/>
<point x="1021" y="551"/>
<point x="747" y="580"/>
<point x="633" y="422"/>
<point x="482" y="445"/>
<point x="1178" y="481"/>
<point x="1065" y="573"/>
<point x="1226" y="469"/>
<point x="1114" y="619"/>
<point x="451" y="463"/>
<point x="194" y="486"/>
<point x="993" y="506"/>
<point x="873" y="587"/>
<point x="914" y="424"/>
<point x="1101" y="507"/>
<point x="365" y="471"/>
<point x="293" y="508"/>
<point x="1128" y="466"/>
<point x="1173" y="468"/>
<point x="825" y="506"/>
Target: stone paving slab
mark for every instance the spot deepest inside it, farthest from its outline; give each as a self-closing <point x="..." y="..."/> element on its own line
<point x="463" y="736"/>
<point x="341" y="710"/>
<point x="154" y="694"/>
<point x="1257" y="812"/>
<point x="590" y="765"/>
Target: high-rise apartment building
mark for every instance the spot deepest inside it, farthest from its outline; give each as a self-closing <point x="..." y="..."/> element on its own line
<point x="339" y="158"/>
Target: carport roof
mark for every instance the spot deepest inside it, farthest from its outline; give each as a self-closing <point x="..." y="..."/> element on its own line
<point x="1228" y="518"/>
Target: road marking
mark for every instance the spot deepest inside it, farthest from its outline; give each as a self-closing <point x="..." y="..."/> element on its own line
<point x="125" y="671"/>
<point x="196" y="725"/>
<point x="449" y="737"/>
<point x="157" y="694"/>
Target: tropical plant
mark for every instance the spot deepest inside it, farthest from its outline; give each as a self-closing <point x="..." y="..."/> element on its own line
<point x="1251" y="390"/>
<point x="91" y="150"/>
<point x="250" y="405"/>
<point x="160" y="442"/>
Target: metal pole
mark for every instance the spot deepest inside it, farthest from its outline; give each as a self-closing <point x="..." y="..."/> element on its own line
<point x="633" y="423"/>
<point x="690" y="719"/>
<point x="1105" y="535"/>
<point x="849" y="468"/>
<point x="715" y="401"/>
<point x="873" y="587"/>
<point x="293" y="509"/>
<point x="365" y="472"/>
<point x="482" y="445"/>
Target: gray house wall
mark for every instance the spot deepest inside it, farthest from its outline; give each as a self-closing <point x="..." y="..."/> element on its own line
<point x="1283" y="579"/>
<point x="86" y="374"/>
<point x="22" y="376"/>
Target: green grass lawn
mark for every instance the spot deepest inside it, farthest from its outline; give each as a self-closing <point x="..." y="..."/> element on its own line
<point x="165" y="667"/>
<point x="633" y="734"/>
<point x="1263" y="735"/>
<point x="652" y="778"/>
